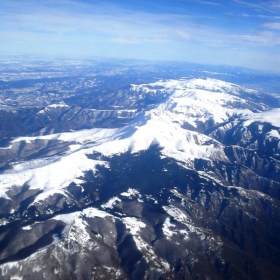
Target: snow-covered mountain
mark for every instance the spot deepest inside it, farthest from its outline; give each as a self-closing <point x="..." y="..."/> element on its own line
<point x="193" y="181"/>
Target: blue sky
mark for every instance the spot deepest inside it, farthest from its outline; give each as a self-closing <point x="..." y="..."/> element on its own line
<point x="230" y="32"/>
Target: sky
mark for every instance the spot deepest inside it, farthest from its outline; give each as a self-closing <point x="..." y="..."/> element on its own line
<point x="226" y="32"/>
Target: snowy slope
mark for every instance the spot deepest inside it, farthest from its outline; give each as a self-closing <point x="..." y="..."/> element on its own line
<point x="187" y="101"/>
<point x="271" y="116"/>
<point x="197" y="100"/>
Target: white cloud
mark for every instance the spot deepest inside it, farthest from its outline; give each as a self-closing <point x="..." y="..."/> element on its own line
<point x="275" y="4"/>
<point x="96" y="27"/>
<point x="208" y="2"/>
<point x="263" y="38"/>
<point x="123" y="40"/>
<point x="272" y="25"/>
<point x="183" y="35"/>
<point x="265" y="6"/>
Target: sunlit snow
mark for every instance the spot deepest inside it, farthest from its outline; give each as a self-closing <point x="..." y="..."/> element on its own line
<point x="187" y="101"/>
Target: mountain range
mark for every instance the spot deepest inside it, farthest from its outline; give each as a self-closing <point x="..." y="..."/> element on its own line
<point x="174" y="179"/>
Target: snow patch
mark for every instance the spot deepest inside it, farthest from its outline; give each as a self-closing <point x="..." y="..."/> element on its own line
<point x="274" y="133"/>
<point x="271" y="116"/>
<point x="110" y="204"/>
<point x="94" y="212"/>
<point x="26" y="228"/>
<point x="167" y="228"/>
<point x="130" y="193"/>
<point x="177" y="214"/>
<point x="133" y="224"/>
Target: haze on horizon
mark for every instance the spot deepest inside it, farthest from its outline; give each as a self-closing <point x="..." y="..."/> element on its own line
<point x="234" y="32"/>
